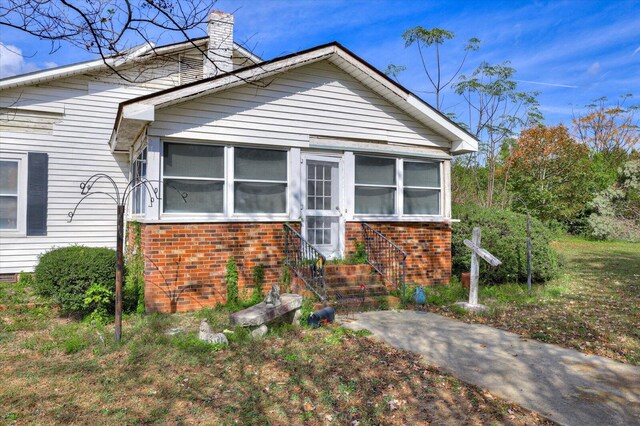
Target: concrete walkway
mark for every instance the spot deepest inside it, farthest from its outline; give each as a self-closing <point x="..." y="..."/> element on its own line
<point x="564" y="385"/>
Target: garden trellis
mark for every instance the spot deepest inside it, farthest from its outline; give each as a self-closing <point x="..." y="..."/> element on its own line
<point x="120" y="199"/>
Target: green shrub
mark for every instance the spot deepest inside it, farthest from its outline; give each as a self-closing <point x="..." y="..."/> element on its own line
<point x="504" y="235"/>
<point x="231" y="280"/>
<point x="133" y="290"/>
<point x="98" y="300"/>
<point x="285" y="279"/>
<point x="258" y="281"/>
<point x="359" y="256"/>
<point x="446" y="294"/>
<point x="65" y="274"/>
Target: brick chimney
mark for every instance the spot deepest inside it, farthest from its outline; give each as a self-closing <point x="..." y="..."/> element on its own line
<point x="220" y="48"/>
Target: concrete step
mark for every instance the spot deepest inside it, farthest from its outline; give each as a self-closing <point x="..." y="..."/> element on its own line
<point x="346" y="270"/>
<point x="356" y="290"/>
<point x="354" y="279"/>
<point x="349" y="305"/>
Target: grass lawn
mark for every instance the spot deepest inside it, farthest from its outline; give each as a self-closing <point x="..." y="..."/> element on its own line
<point x="593" y="307"/>
<point x="56" y="370"/>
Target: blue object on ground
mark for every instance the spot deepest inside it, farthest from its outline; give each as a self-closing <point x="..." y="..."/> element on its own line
<point x="419" y="297"/>
<point x="322" y="316"/>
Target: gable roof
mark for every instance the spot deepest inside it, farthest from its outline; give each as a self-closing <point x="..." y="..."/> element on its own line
<point x="136" y="113"/>
<point x="139" y="53"/>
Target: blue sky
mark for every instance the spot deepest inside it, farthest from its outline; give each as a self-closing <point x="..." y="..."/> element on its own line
<point x="570" y="51"/>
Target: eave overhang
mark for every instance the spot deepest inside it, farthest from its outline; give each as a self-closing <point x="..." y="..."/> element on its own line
<point x="136" y="113"/>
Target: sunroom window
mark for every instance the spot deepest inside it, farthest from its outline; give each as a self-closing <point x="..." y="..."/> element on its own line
<point x="260" y="181"/>
<point x="138" y="174"/>
<point x="198" y="171"/>
<point x="421" y="188"/>
<point x="375" y="189"/>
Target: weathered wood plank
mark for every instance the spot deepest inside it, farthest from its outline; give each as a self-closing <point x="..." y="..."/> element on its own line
<point x="484" y="254"/>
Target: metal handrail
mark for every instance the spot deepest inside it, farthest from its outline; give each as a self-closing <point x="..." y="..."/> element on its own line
<point x="385" y="257"/>
<point x="305" y="261"/>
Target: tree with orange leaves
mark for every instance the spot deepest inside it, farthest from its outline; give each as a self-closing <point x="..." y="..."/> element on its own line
<point x="611" y="130"/>
<point x="550" y="172"/>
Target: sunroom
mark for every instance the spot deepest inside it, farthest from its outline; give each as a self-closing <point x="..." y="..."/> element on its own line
<point x="323" y="190"/>
<point x="316" y="144"/>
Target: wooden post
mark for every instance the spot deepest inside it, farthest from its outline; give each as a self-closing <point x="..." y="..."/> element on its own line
<point x="119" y="270"/>
<point x="475" y="268"/>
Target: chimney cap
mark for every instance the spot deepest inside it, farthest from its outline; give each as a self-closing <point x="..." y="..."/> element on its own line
<point x="219" y="12"/>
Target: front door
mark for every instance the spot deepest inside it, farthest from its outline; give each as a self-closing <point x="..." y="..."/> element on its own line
<point x="322" y="222"/>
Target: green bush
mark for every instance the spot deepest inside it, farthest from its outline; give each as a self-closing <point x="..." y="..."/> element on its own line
<point x="258" y="282"/>
<point x="65" y="275"/>
<point x="504" y="235"/>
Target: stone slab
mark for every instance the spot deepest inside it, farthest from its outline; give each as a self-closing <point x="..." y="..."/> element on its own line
<point x="262" y="313"/>
<point x="472" y="307"/>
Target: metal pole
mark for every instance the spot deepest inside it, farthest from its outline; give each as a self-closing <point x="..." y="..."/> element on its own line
<point x="119" y="270"/>
<point x="528" y="251"/>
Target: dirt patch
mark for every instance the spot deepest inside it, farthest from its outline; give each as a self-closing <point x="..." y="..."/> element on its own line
<point x="73" y="373"/>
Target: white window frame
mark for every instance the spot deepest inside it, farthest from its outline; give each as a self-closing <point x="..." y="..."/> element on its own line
<point x="399" y="187"/>
<point x="232" y="181"/>
<point x="228" y="211"/>
<point x="396" y="206"/>
<point x="21" y="228"/>
<point x="141" y="188"/>
<point x="197" y="215"/>
<point x="438" y="188"/>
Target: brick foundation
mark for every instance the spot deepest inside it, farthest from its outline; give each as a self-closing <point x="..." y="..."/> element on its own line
<point x="185" y="263"/>
<point x="427" y="244"/>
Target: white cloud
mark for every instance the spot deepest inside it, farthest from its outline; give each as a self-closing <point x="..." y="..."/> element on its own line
<point x="50" y="65"/>
<point x="11" y="60"/>
<point x="594" y="69"/>
<point x="542" y="83"/>
<point x="636" y="51"/>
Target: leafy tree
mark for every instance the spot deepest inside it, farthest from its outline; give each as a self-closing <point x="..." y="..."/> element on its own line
<point x="550" y="172"/>
<point x="617" y="209"/>
<point x="425" y="38"/>
<point x="496" y="110"/>
<point x="611" y="131"/>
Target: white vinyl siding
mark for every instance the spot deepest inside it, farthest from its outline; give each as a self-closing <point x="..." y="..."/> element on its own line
<point x="80" y="113"/>
<point x="317" y="100"/>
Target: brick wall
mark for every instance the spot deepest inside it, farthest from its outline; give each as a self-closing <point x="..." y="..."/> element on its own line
<point x="185" y="263"/>
<point x="428" y="246"/>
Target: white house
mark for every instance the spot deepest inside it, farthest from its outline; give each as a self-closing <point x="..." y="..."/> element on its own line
<point x="317" y="140"/>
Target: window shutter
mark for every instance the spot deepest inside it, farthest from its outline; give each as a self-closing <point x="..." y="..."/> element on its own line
<point x="37" y="186"/>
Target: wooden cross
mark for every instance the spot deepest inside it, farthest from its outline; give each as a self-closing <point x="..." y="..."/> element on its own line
<point x="474" y="245"/>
